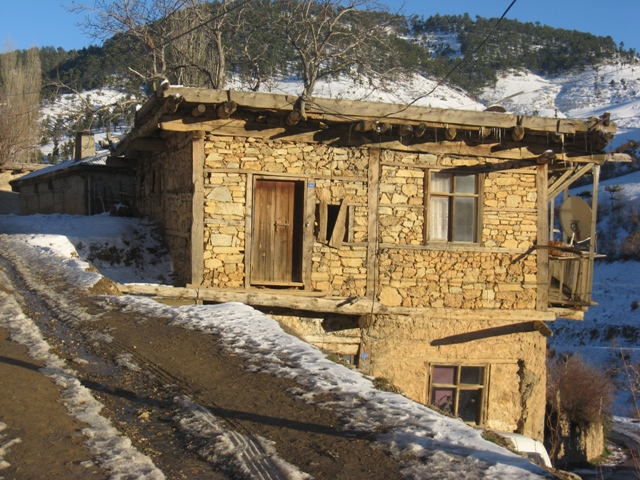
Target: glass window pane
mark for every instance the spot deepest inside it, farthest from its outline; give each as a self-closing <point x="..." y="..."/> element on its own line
<point x="443" y="399"/>
<point x="439" y="218"/>
<point x="444" y="375"/>
<point x="471" y="375"/>
<point x="466" y="184"/>
<point x="468" y="405"/>
<point x="441" y="182"/>
<point x="464" y="224"/>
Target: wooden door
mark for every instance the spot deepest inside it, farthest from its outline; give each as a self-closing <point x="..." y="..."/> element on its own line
<point x="277" y="232"/>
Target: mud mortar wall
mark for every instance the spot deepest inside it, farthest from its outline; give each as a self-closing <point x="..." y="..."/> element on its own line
<point x="402" y="349"/>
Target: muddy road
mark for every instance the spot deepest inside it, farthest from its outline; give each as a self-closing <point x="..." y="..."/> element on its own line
<point x="153" y="379"/>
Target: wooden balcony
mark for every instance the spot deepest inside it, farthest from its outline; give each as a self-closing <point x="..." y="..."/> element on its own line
<point x="571" y="277"/>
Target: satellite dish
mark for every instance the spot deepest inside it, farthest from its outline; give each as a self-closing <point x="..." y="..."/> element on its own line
<point x="575" y="219"/>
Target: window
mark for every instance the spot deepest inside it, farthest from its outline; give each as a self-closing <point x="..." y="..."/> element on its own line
<point x="333" y="223"/>
<point x="458" y="390"/>
<point x="452" y="206"/>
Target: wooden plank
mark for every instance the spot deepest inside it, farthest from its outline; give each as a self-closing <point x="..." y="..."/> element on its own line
<point x="248" y="230"/>
<point x="373" y="193"/>
<point x="197" y="209"/>
<point x="337" y="236"/>
<point x="342" y="305"/>
<point x="308" y="231"/>
<point x="565" y="182"/>
<point x="388" y="112"/>
<point x="542" y="238"/>
<point x="452" y="247"/>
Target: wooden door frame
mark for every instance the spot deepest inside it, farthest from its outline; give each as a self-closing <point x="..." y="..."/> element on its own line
<point x="307" y="223"/>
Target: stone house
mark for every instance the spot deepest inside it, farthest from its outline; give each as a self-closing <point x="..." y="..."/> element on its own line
<point x="89" y="184"/>
<point x="413" y="241"/>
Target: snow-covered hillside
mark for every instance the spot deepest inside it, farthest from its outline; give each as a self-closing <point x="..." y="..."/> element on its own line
<point x="611" y="88"/>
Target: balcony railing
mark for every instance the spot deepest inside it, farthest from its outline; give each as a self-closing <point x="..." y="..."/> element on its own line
<point x="570" y="277"/>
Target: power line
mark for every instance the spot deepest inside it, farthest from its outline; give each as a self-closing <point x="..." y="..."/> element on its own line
<point x="457" y="65"/>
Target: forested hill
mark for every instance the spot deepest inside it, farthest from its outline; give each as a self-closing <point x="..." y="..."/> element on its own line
<point x="428" y="46"/>
<point x="514" y="45"/>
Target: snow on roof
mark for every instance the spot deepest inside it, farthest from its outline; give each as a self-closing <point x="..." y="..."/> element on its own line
<point x="99" y="159"/>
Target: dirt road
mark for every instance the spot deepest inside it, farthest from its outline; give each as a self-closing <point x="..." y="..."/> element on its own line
<point x="141" y="368"/>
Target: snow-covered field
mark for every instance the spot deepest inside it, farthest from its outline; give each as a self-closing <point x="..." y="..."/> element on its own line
<point x="430" y="445"/>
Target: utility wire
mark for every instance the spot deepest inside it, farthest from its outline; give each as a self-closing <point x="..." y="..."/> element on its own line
<point x="457" y="65"/>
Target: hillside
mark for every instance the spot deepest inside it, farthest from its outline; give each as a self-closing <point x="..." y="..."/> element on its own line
<point x="528" y="68"/>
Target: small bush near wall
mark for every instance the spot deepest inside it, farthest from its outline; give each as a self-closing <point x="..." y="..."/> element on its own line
<point x="579" y="398"/>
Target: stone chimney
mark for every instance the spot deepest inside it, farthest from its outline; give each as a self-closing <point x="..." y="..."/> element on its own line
<point x="85" y="145"/>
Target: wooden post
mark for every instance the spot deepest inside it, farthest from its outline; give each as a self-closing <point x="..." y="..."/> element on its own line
<point x="197" y="209"/>
<point x="372" y="228"/>
<point x="542" y="207"/>
<point x="307" y="240"/>
<point x="594" y="219"/>
<point x="248" y="230"/>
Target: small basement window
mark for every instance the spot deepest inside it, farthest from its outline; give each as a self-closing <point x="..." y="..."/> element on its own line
<point x="458" y="390"/>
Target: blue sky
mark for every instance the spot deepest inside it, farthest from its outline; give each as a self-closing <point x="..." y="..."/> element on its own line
<point x="47" y="23"/>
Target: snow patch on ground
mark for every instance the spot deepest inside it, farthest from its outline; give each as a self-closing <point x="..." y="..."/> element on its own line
<point x="114" y="452"/>
<point x="5" y="445"/>
<point x="431" y="446"/>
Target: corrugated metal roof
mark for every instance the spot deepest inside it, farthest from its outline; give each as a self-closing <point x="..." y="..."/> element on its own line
<point x="99" y="159"/>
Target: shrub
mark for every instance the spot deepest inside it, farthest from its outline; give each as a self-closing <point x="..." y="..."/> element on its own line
<point x="579" y="392"/>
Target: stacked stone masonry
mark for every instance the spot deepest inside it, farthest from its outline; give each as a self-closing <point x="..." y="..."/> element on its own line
<point x="499" y="274"/>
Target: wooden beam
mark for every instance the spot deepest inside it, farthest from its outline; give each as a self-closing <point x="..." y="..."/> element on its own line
<point x="504" y="150"/>
<point x="566" y="181"/>
<point x="373" y="199"/>
<point x="339" y="229"/>
<point x="198" y="110"/>
<point x="373" y="110"/>
<point x="308" y="236"/>
<point x="341" y="305"/>
<point x="197" y="211"/>
<point x="248" y="230"/>
<point x="226" y="109"/>
<point x="542" y="238"/>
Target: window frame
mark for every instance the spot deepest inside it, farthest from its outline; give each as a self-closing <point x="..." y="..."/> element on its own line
<point x="334" y="222"/>
<point x="452" y="195"/>
<point x="482" y="388"/>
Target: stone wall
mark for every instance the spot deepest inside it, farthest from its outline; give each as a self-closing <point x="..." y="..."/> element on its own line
<point x="61" y="195"/>
<point x="490" y="276"/>
<point x="165" y="192"/>
<point x="337" y="173"/>
<point x="498" y="273"/>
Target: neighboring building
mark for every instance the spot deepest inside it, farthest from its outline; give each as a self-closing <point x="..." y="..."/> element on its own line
<point x="414" y="240"/>
<point x="9" y="200"/>
<point x="92" y="183"/>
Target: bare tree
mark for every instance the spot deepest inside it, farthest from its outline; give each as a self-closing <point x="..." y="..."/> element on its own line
<point x="185" y="40"/>
<point x="20" y="84"/>
<point x="199" y="56"/>
<point x="334" y="37"/>
<point x="147" y="22"/>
